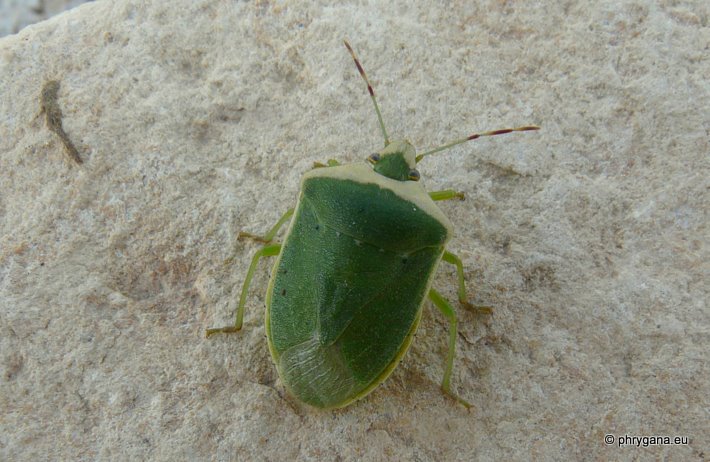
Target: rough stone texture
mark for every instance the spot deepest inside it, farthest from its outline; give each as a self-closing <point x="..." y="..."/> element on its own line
<point x="195" y="120"/>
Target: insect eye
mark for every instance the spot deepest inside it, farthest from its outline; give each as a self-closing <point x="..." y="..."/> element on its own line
<point x="414" y="175"/>
<point x="373" y="158"/>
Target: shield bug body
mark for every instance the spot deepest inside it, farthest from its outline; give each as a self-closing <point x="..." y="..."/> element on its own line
<point x="352" y="274"/>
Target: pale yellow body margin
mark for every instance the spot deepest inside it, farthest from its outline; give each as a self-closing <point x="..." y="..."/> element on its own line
<point x="411" y="191"/>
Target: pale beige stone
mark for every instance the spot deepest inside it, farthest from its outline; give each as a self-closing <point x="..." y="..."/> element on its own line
<point x="195" y="120"/>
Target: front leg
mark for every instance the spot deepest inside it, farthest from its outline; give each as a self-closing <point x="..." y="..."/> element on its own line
<point x="446" y="194"/>
<point x="266" y="251"/>
<point x="269" y="250"/>
<point x="331" y="163"/>
<point x="268" y="237"/>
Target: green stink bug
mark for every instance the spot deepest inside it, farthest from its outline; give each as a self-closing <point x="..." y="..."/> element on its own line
<point x="357" y="262"/>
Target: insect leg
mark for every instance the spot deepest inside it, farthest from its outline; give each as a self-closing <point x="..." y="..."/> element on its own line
<point x="331" y="163"/>
<point x="448" y="311"/>
<point x="268" y="237"/>
<point x="446" y="194"/>
<point x="454" y="260"/>
<point x="266" y="251"/>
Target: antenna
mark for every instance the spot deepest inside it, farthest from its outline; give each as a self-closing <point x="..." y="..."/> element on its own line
<point x="369" y="89"/>
<point x="474" y="136"/>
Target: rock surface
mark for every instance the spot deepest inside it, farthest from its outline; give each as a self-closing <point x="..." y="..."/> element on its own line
<point x="195" y="120"/>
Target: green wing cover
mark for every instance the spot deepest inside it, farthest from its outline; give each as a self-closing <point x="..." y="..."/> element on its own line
<point x="348" y="287"/>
